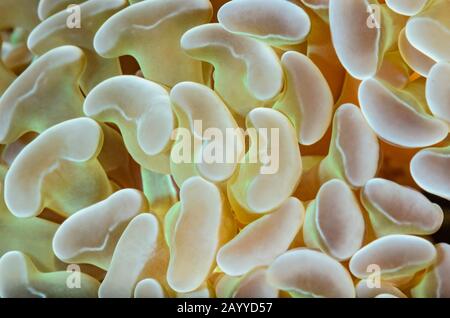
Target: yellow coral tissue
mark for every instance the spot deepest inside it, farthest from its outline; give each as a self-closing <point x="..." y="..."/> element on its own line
<point x="225" y="149"/>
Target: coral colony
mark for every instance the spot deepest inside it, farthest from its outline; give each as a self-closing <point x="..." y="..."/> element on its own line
<point x="211" y="148"/>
